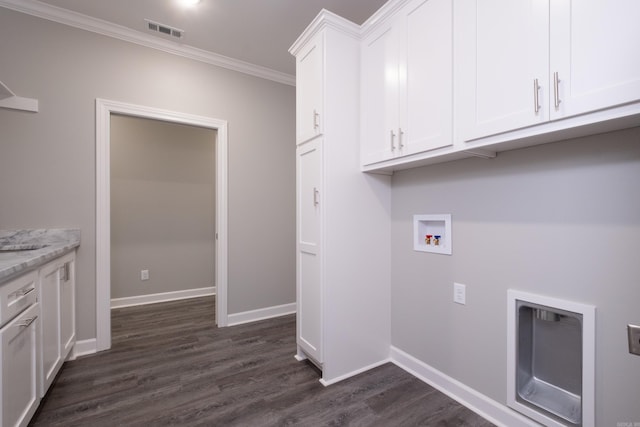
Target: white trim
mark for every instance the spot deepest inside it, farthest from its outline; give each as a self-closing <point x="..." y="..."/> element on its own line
<point x="19" y="103"/>
<point x="83" y="348"/>
<point x="325" y="19"/>
<point x="489" y="409"/>
<point x="353" y="373"/>
<point x="104" y="109"/>
<point x="162" y="297"/>
<point x="261" y="314"/>
<point x="588" y="354"/>
<point x="99" y="26"/>
<point x="387" y="11"/>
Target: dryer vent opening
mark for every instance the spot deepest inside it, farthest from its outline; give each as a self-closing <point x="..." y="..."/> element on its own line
<point x="547" y="362"/>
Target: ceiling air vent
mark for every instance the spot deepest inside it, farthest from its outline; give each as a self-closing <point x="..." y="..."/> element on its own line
<point x="164" y="29"/>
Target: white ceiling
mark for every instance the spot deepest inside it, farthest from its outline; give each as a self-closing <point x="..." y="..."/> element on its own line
<point x="259" y="32"/>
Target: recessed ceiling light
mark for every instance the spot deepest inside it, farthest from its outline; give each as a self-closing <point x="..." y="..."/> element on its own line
<point x="189" y="2"/>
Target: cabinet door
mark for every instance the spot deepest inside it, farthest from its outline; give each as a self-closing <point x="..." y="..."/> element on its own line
<point x="379" y="95"/>
<point x="426" y="76"/>
<point x="502" y="51"/>
<point x="310" y="90"/>
<point x="19" y="376"/>
<point x="595" y="51"/>
<point x="309" y="228"/>
<point x="67" y="307"/>
<point x="50" y="314"/>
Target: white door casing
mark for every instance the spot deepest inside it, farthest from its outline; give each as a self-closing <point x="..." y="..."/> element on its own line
<point x="104" y="109"/>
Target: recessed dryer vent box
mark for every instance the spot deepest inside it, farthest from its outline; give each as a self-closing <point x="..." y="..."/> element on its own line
<point x="432" y="233"/>
<point x="551" y="359"/>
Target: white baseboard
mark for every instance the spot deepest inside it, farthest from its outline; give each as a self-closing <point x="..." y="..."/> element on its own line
<point x="489" y="409"/>
<point x="162" y="297"/>
<point x="353" y="373"/>
<point x="261" y="314"/>
<point x="83" y="348"/>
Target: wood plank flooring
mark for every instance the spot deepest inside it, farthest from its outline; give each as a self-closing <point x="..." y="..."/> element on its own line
<point x="170" y="366"/>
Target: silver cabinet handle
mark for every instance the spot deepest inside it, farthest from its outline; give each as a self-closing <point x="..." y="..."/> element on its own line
<point x="315" y="196"/>
<point x="400" y="133"/>
<point x="536" y="102"/>
<point x="64" y="272"/>
<point x="392" y="137"/>
<point x="22" y="292"/>
<point x="27" y="322"/>
<point x="556" y="93"/>
<point x="27" y="291"/>
<point x="316" y="124"/>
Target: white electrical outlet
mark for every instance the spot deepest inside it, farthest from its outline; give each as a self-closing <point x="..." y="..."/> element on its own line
<point x="144" y="274"/>
<point x="459" y="293"/>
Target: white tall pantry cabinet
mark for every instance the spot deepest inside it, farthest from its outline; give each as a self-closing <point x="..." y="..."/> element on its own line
<point x="343" y="223"/>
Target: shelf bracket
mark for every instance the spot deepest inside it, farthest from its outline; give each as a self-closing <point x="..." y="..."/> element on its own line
<point x="479" y="152"/>
<point x="9" y="100"/>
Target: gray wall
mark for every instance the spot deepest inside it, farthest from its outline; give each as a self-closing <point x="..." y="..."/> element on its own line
<point x="162" y="206"/>
<point x="47" y="161"/>
<point x="561" y="220"/>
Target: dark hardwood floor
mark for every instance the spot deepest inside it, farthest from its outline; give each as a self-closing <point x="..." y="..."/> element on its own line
<point x="170" y="366"/>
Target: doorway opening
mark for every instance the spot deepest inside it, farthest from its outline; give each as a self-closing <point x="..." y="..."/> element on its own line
<point x="104" y="111"/>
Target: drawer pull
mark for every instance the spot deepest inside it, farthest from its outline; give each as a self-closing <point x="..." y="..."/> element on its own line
<point x="64" y="272"/>
<point x="27" y="322"/>
<point x="27" y="291"/>
<point x="22" y="292"/>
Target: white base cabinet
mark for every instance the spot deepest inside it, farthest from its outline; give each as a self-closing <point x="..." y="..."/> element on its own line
<point x="36" y="342"/>
<point x="19" y="376"/>
<point x="343" y="233"/>
<point x="57" y="304"/>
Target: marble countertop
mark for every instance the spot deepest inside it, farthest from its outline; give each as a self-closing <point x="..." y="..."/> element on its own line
<point x="51" y="243"/>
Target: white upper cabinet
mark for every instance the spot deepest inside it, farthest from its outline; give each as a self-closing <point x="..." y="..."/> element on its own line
<point x="526" y="62"/>
<point x="426" y="82"/>
<point x="379" y="95"/>
<point x="406" y="82"/>
<point x="503" y="63"/>
<point x="310" y="90"/>
<point x="595" y="51"/>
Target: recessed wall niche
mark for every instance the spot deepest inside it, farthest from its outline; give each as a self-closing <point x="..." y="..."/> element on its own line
<point x="432" y="233"/>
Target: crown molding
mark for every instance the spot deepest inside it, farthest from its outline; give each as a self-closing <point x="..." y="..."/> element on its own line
<point x="387" y="11"/>
<point x="325" y="19"/>
<point x="99" y="26"/>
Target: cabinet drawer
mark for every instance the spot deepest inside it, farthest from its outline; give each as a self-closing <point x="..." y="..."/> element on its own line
<point x="17" y="295"/>
<point x="18" y="376"/>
